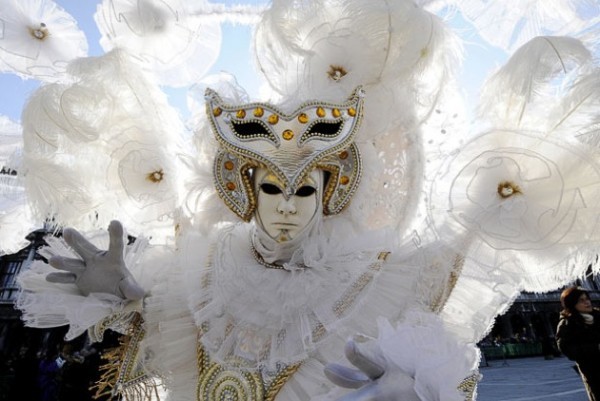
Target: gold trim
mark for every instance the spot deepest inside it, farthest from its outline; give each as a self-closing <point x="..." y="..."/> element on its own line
<point x="442" y="297"/>
<point x="468" y="386"/>
<point x="214" y="379"/>
<point x="121" y="374"/>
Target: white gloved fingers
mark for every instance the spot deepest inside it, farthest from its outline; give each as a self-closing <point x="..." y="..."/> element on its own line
<point x="345" y="377"/>
<point x="364" y="359"/>
<point x="72" y="265"/>
<point x="130" y="289"/>
<point x="79" y="243"/>
<point x="63" y="278"/>
<point x="116" y="244"/>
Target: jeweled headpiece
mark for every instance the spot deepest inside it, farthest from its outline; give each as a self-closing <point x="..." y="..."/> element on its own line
<point x="315" y="135"/>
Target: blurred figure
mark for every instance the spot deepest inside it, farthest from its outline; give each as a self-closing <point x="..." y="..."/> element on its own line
<point x="578" y="337"/>
<point x="48" y="370"/>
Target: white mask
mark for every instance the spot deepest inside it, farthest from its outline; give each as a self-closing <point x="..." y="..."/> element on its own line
<point x="285" y="219"/>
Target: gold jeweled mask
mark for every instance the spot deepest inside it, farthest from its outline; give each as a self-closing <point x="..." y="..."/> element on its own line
<point x="315" y="135"/>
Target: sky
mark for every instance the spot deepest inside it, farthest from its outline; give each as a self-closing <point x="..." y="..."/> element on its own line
<point x="235" y="58"/>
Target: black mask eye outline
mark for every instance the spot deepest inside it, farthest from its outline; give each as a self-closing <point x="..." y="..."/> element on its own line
<point x="252" y="129"/>
<point x="305" y="191"/>
<point x="270" y="189"/>
<point x="327" y="129"/>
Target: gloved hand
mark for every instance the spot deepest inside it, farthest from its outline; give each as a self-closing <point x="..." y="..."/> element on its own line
<point x="375" y="379"/>
<point x="99" y="271"/>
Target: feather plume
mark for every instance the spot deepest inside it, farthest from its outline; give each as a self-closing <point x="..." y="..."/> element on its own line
<point x="509" y="97"/>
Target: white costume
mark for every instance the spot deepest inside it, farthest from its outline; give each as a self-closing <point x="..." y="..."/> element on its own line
<point x="361" y="221"/>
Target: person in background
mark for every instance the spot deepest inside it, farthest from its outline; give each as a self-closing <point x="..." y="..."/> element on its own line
<point x="578" y="336"/>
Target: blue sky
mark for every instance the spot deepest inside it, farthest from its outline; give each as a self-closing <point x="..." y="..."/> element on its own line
<point x="235" y="58"/>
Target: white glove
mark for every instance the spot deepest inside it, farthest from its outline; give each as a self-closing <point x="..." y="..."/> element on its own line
<point x="97" y="270"/>
<point x="375" y="379"/>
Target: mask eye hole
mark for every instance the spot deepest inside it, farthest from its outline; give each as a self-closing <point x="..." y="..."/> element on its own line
<point x="305" y="191"/>
<point x="250" y="130"/>
<point x="270" y="189"/>
<point x="327" y="129"/>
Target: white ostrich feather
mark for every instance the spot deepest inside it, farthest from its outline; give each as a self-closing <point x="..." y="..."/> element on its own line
<point x="510" y="97"/>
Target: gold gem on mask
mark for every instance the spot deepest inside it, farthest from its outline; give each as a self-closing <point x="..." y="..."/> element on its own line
<point x="155" y="176"/>
<point x="229" y="165"/>
<point x="336" y="113"/>
<point x="303" y="118"/>
<point x="259" y="112"/>
<point x="336" y="72"/>
<point x="344" y="155"/>
<point x="273" y="119"/>
<point x="217" y="111"/>
<point x="320" y="112"/>
<point x="288" y="134"/>
<point x="506" y="189"/>
<point x="344" y="180"/>
<point x="240" y="114"/>
<point x="351" y="111"/>
<point x="231" y="186"/>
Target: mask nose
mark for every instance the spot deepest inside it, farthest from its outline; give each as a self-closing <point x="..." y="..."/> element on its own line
<point x="287" y="206"/>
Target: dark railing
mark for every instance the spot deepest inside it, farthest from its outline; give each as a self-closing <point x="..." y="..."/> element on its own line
<point x="512" y="350"/>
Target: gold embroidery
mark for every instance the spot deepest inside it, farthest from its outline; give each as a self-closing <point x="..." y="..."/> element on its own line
<point x="350" y="295"/>
<point x="122" y="373"/>
<point x="215" y="383"/>
<point x="468" y="386"/>
<point x="444" y="294"/>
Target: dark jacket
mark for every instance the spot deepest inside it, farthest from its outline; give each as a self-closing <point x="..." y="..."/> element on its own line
<point x="580" y="342"/>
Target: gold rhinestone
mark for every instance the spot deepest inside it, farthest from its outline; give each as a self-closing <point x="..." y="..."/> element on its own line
<point x="259" y="112"/>
<point x="40" y="33"/>
<point x="287" y="134"/>
<point x="344" y="155"/>
<point x="240" y="114"/>
<point x="351" y="111"/>
<point x="344" y="180"/>
<point x="273" y="119"/>
<point x="230" y="186"/>
<point x="320" y="112"/>
<point x="229" y="165"/>
<point x="336" y="72"/>
<point x="217" y="111"/>
<point x="303" y="118"/>
<point x="506" y="189"/>
<point x="155" y="176"/>
<point x="335" y="113"/>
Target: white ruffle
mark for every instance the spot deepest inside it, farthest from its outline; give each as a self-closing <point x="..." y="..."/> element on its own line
<point x="47" y="304"/>
<point x="266" y="316"/>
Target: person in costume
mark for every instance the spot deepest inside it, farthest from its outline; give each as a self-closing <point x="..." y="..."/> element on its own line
<point x="578" y="336"/>
<point x="258" y="311"/>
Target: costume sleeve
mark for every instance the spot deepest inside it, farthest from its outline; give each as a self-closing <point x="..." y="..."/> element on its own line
<point x="443" y="366"/>
<point x="44" y="304"/>
<point x="569" y="341"/>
